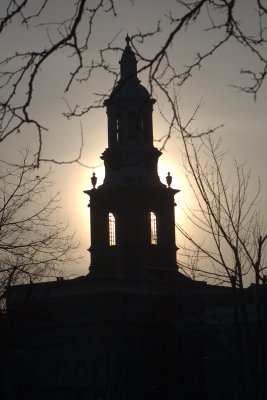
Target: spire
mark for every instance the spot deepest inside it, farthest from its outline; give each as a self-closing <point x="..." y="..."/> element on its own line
<point x="128" y="62"/>
<point x="127" y="39"/>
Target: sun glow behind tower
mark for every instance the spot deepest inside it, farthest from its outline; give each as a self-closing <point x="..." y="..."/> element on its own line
<point x="81" y="181"/>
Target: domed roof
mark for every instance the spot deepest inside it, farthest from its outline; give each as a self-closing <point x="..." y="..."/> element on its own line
<point x="129" y="85"/>
<point x="130" y="89"/>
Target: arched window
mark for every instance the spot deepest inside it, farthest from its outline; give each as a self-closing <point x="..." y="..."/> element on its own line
<point x="153" y="229"/>
<point x="118" y="127"/>
<point x="132" y="125"/>
<point x="144" y="125"/>
<point x="144" y="121"/>
<point x="112" y="229"/>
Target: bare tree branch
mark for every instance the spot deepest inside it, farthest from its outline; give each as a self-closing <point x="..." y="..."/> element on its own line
<point x="33" y="245"/>
<point x="19" y="71"/>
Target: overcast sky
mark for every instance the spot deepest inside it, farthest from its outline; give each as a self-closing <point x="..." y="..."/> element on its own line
<point x="243" y="119"/>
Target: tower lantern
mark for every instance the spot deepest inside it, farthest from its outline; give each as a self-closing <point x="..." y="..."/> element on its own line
<point x="132" y="212"/>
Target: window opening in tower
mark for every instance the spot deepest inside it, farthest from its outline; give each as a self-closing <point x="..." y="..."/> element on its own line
<point x="144" y="125"/>
<point x="153" y="228"/>
<point x="132" y="125"/>
<point x="118" y="127"/>
<point x="112" y="229"/>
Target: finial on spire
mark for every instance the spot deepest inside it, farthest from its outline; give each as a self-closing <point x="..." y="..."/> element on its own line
<point x="127" y="39"/>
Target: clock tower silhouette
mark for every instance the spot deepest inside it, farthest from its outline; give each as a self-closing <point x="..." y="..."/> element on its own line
<point x="132" y="212"/>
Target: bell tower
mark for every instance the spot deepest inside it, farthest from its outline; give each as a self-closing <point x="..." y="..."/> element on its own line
<point x="132" y="212"/>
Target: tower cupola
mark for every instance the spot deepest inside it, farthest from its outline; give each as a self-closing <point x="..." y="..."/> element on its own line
<point x="132" y="212"/>
<point x="131" y="158"/>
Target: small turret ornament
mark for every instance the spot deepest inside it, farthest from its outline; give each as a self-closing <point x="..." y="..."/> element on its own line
<point x="94" y="180"/>
<point x="169" y="180"/>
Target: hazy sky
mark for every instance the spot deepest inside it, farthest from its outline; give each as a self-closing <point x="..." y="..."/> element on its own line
<point x="244" y="120"/>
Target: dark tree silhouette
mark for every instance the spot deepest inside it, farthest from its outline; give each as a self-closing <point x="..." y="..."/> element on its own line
<point x="33" y="245"/>
<point x="226" y="244"/>
<point x="227" y="212"/>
